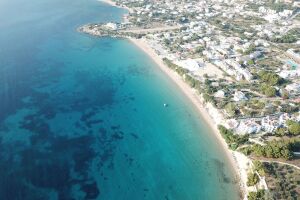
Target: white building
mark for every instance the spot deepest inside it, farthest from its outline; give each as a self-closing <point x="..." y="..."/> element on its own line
<point x="293" y="88"/>
<point x="240" y="72"/>
<point x="231" y="123"/>
<point x="289" y="73"/>
<point x="239" y="96"/>
<point x="111" y="26"/>
<point x="190" y="64"/>
<point x="269" y="124"/>
<point x="284" y="118"/>
<point x="248" y="127"/>
<point x="219" y="94"/>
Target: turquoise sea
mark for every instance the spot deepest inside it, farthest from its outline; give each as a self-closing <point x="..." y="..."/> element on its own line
<point x="83" y="117"/>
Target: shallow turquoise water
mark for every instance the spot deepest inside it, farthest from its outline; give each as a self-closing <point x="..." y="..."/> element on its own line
<point x="83" y="117"/>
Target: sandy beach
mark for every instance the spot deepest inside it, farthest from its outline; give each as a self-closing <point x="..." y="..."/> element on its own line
<point x="238" y="162"/>
<point x="197" y="102"/>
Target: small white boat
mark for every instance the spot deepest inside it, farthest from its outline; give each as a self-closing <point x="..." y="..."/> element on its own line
<point x="165" y="105"/>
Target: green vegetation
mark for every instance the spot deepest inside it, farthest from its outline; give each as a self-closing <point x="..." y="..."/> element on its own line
<point x="293" y="127"/>
<point x="233" y="141"/>
<point x="282" y="131"/>
<point x="289" y="108"/>
<point x="278" y="6"/>
<point x="194" y="37"/>
<point x="269" y="62"/>
<point x="257" y="104"/>
<point x="283" y="181"/>
<point x="208" y="87"/>
<point x="208" y="91"/>
<point x="295" y="31"/>
<point x="191" y="81"/>
<point x="181" y="71"/>
<point x="250" y="49"/>
<point x="288" y="38"/>
<point x="259" y="167"/>
<point x="273" y="149"/>
<point x="259" y="195"/>
<point x="252" y="179"/>
<point x="250" y="62"/>
<point x="268" y="90"/>
<point x="267" y="82"/>
<point x="199" y="49"/>
<point x="269" y="78"/>
<point x="231" y="109"/>
<point x="253" y="108"/>
<point x="166" y="42"/>
<point x="208" y="98"/>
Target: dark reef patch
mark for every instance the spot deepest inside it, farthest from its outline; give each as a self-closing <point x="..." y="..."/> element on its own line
<point x="93" y="122"/>
<point x="118" y="135"/>
<point x="86" y="116"/>
<point x="135" y="136"/>
<point x="115" y="127"/>
<point x="221" y="170"/>
<point x="91" y="190"/>
<point x="136" y="70"/>
<point x="35" y="124"/>
<point x="55" y="162"/>
<point x="41" y="167"/>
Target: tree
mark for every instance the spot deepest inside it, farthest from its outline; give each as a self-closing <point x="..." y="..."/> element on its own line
<point x="277" y="103"/>
<point x="252" y="179"/>
<point x="207" y="81"/>
<point x="207" y="98"/>
<point x="250" y="49"/>
<point x="281" y="131"/>
<point x="167" y="42"/>
<point x="259" y="195"/>
<point x="293" y="127"/>
<point x="270" y="78"/>
<point x="259" y="167"/>
<point x="250" y="62"/>
<point x="288" y="38"/>
<point x="194" y="37"/>
<point x="199" y="49"/>
<point x="271" y="92"/>
<point x="268" y="90"/>
<point x="231" y="109"/>
<point x="231" y="139"/>
<point x="274" y="149"/>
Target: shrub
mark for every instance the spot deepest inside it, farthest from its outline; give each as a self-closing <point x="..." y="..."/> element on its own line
<point x="270" y="78"/>
<point x="259" y="167"/>
<point x="274" y="149"/>
<point x="288" y="38"/>
<point x="259" y="195"/>
<point x="252" y="179"/>
<point x="233" y="141"/>
<point x="268" y="90"/>
<point x="293" y="127"/>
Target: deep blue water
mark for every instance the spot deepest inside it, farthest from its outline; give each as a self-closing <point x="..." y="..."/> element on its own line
<point x="83" y="117"/>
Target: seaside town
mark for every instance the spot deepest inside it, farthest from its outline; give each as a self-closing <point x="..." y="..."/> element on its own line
<point x="242" y="59"/>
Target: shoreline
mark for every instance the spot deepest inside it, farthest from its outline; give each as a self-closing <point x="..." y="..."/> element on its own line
<point x="238" y="161"/>
<point x="191" y="94"/>
<point x="112" y="3"/>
